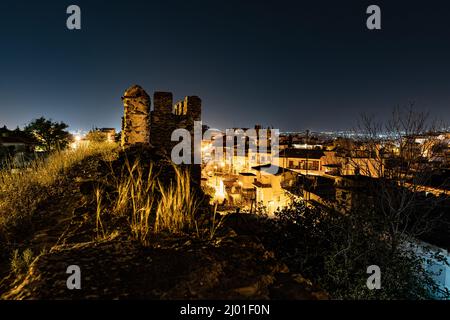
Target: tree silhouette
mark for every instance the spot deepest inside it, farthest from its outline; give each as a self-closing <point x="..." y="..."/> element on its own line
<point x="48" y="135"/>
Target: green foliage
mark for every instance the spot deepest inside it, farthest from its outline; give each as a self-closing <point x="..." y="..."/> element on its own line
<point x="48" y="135"/>
<point x="336" y="249"/>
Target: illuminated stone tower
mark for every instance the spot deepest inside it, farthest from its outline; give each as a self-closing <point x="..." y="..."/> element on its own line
<point x="136" y="117"/>
<point x="142" y="126"/>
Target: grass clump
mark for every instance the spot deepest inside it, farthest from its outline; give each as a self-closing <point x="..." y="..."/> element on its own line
<point x="20" y="263"/>
<point x="151" y="205"/>
<point x="21" y="190"/>
<point x="177" y="208"/>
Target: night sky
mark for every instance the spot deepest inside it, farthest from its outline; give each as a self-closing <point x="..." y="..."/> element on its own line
<point x="295" y="65"/>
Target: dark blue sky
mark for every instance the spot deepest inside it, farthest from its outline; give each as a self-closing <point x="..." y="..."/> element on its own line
<point x="291" y="64"/>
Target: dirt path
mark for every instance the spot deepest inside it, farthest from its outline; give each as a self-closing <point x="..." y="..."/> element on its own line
<point x="53" y="219"/>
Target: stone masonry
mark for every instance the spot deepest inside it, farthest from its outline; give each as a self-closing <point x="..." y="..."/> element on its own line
<point x="136" y="116"/>
<point x="166" y="117"/>
<point x="140" y="125"/>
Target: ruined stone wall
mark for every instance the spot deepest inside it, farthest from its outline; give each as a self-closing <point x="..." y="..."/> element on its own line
<point x="140" y="125"/>
<point x="161" y="121"/>
<point x="167" y="117"/>
<point x="136" y="117"/>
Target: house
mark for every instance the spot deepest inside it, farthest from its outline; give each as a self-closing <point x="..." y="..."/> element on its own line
<point x="306" y="161"/>
<point x="16" y="144"/>
<point x="4" y="132"/>
<point x="246" y="180"/>
<point x="352" y="191"/>
<point x="362" y="165"/>
<point x="271" y="187"/>
<point x="18" y="150"/>
<point x="110" y="134"/>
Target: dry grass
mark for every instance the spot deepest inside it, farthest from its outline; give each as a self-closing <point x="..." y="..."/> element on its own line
<point x="21" y="190"/>
<point x="177" y="208"/>
<point x="149" y="205"/>
<point x="135" y="198"/>
<point x="216" y="223"/>
<point x="20" y="263"/>
<point x="98" y="221"/>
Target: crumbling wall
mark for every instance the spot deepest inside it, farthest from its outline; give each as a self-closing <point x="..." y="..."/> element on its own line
<point x="162" y="122"/>
<point x="167" y="117"/>
<point x="140" y="125"/>
<point x="136" y="117"/>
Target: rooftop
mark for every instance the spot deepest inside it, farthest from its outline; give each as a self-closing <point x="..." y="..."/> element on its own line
<point x="15" y="140"/>
<point x="272" y="169"/>
<point x="302" y="153"/>
<point x="261" y="185"/>
<point x="247" y="174"/>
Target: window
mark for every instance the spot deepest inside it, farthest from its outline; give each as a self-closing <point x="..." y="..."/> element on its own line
<point x="314" y="165"/>
<point x="310" y="165"/>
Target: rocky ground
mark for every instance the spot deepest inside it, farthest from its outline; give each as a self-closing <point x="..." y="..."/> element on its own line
<point x="233" y="265"/>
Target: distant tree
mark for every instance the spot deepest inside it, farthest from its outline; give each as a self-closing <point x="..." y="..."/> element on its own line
<point x="400" y="175"/>
<point x="48" y="135"/>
